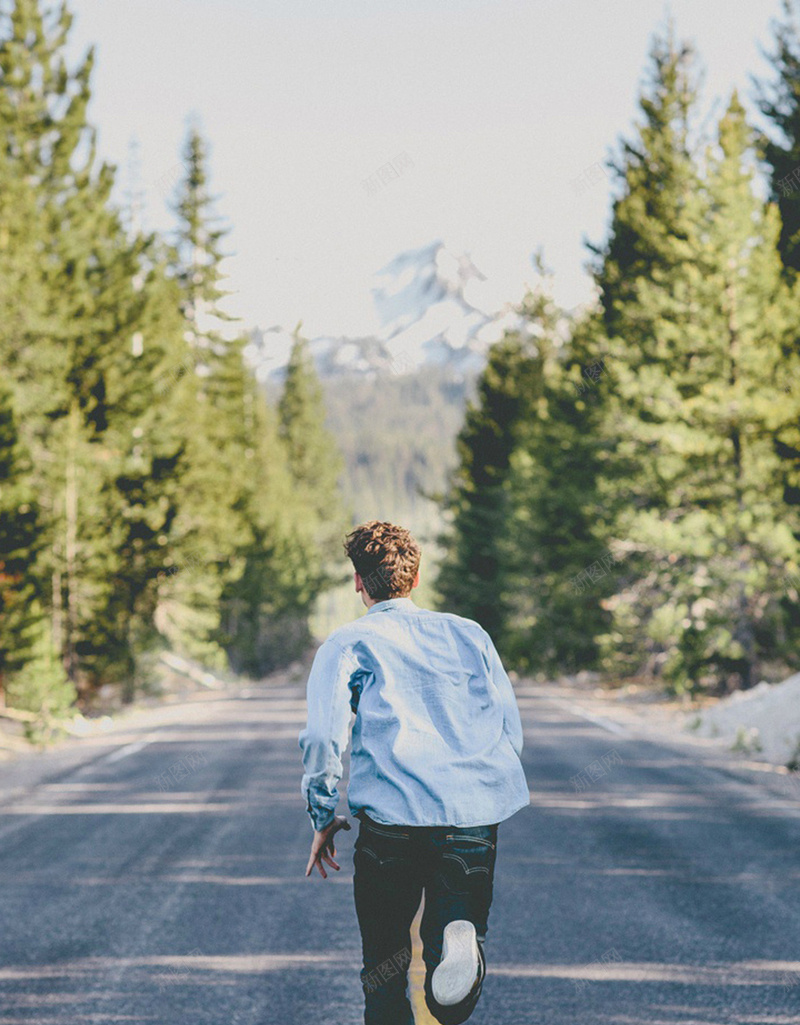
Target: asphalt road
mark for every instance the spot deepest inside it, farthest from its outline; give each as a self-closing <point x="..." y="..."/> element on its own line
<point x="158" y="877"/>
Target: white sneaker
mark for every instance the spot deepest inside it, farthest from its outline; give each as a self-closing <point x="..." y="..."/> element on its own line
<point x="459" y="969"/>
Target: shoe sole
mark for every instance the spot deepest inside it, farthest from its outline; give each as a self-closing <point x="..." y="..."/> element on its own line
<point x="457" y="972"/>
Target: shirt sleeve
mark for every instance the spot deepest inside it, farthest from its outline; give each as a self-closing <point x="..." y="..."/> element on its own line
<point x="324" y="740"/>
<point x="512" y="722"/>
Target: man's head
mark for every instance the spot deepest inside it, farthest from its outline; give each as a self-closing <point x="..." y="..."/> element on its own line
<point x="386" y="560"/>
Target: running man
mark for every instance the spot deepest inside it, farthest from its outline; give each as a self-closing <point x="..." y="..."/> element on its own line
<point x="434" y="767"/>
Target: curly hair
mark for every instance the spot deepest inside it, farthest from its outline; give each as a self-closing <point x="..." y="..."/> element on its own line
<point x="385" y="556"/>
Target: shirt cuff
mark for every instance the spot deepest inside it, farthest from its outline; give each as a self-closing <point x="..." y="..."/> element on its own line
<point x="321" y="818"/>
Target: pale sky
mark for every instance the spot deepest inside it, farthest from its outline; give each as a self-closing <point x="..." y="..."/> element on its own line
<point x="494" y="108"/>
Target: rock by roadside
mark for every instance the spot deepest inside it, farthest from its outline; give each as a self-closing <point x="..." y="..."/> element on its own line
<point x="763" y="722"/>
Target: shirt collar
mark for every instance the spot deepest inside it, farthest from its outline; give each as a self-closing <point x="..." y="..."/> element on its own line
<point x="391" y="603"/>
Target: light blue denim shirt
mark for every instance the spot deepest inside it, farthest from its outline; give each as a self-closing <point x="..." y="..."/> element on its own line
<point x="437" y="735"/>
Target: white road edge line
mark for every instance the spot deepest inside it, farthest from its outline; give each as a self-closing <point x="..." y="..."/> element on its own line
<point x="129" y="749"/>
<point x="605" y="724"/>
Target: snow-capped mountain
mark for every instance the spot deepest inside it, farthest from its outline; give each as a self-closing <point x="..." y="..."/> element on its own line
<point x="432" y="309"/>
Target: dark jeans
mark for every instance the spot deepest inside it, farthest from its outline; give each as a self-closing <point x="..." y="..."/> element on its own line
<point x="394" y="865"/>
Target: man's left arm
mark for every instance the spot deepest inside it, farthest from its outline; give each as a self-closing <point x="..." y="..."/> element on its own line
<point x="512" y="721"/>
<point x="323" y="742"/>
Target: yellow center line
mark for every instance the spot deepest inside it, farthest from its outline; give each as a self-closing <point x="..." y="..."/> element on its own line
<point x="416" y="975"/>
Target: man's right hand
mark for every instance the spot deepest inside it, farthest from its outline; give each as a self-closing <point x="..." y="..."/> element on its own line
<point x="323" y="847"/>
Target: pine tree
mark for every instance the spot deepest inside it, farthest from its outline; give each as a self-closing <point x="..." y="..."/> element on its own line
<point x="140" y="416"/>
<point x="237" y="594"/>
<point x="558" y="528"/>
<point x="144" y="490"/>
<point x="199" y="264"/>
<point x="649" y="283"/>
<point x="315" y="465"/>
<point x="265" y="611"/>
<point x="71" y="343"/>
<point x="19" y="538"/>
<point x="700" y="600"/>
<point x="470" y="580"/>
<point x="780" y="101"/>
<point x="655" y="218"/>
<point x="723" y="554"/>
<point x="209" y="388"/>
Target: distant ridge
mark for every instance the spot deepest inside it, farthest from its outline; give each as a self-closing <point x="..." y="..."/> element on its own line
<point x="431" y="310"/>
